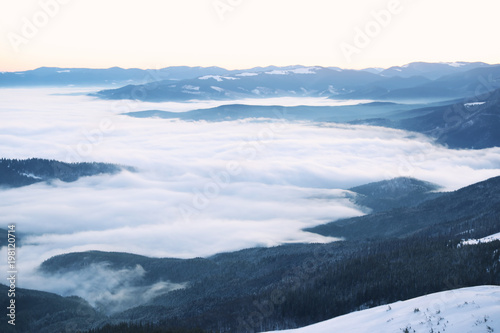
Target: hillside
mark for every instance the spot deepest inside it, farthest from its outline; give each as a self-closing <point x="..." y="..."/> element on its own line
<point x="394" y="193"/>
<point x="17" y="173"/>
<point x="479" y="201"/>
<point x="42" y="312"/>
<point x="472" y="123"/>
<point x="297" y="285"/>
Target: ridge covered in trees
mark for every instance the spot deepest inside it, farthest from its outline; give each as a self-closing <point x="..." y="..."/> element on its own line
<point x="18" y="173"/>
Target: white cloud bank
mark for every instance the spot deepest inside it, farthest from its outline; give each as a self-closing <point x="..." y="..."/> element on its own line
<point x="201" y="188"/>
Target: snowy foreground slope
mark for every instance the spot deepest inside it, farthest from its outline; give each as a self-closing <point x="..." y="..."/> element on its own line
<point x="475" y="309"/>
<point x="482" y="240"/>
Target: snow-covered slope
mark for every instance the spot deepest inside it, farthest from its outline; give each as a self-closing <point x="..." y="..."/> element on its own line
<point x="467" y="310"/>
<point x="487" y="239"/>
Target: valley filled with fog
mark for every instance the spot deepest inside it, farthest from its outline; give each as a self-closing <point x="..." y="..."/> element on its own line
<point x="199" y="188"/>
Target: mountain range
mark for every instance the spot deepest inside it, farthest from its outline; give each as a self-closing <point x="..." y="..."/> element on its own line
<point x="454" y="103"/>
<point x="430" y="82"/>
<point x="431" y="71"/>
<point x="414" y="81"/>
<point x="55" y="76"/>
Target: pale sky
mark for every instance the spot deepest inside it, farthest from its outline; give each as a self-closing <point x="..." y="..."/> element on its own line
<point x="245" y="33"/>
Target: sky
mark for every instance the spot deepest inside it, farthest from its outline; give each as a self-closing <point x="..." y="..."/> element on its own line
<point x="237" y="34"/>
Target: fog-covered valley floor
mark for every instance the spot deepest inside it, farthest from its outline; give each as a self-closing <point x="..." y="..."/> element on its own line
<point x="200" y="188"/>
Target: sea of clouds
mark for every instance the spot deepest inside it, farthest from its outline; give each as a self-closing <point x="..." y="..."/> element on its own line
<point x="199" y="188"/>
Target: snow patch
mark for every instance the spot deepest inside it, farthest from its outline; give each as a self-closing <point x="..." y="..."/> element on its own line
<point x="277" y="72"/>
<point x="486" y="239"/>
<point x="190" y="87"/>
<point x="30" y="175"/>
<point x="332" y="90"/>
<point x="219" y="89"/>
<point x="468" y="105"/>
<point x="302" y="70"/>
<point x="456" y="64"/>
<point x="467" y="310"/>
<point x="247" y="74"/>
<point x="215" y="77"/>
<point x="64" y="71"/>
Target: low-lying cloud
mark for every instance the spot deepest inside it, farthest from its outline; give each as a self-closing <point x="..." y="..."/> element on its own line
<point x="201" y="187"/>
<point x="108" y="290"/>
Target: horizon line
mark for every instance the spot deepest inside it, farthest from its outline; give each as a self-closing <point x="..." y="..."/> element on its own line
<point x="248" y="68"/>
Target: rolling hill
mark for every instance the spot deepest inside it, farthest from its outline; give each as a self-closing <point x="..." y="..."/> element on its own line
<point x="456" y="209"/>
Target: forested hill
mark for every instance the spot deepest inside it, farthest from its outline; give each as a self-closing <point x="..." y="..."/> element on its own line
<point x="477" y="203"/>
<point x="17" y="173"/>
<point x="395" y="193"/>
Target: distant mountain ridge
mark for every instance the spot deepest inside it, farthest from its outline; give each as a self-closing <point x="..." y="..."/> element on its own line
<point x="229" y="112"/>
<point x="417" y="81"/>
<point x="55" y="76"/>
<point x="181" y="83"/>
<point x="431" y="71"/>
<point x="298" y="81"/>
